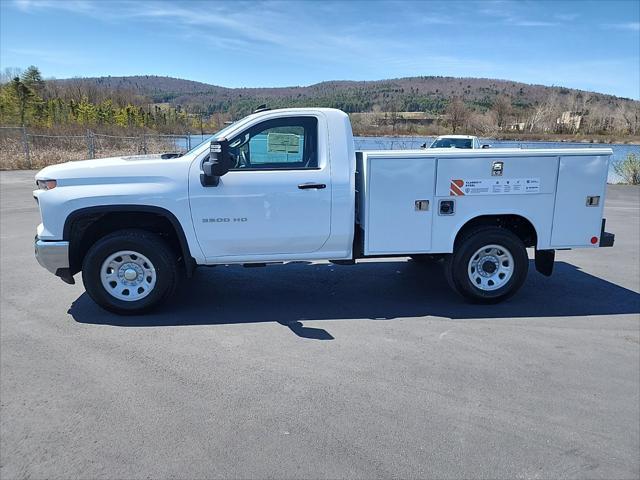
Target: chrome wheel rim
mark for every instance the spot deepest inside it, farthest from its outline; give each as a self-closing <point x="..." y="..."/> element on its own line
<point x="128" y="275"/>
<point x="490" y="267"/>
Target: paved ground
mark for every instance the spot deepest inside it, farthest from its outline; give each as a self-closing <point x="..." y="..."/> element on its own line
<point x="324" y="371"/>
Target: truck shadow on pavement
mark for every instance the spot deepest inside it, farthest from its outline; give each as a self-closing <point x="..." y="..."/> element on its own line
<point x="376" y="290"/>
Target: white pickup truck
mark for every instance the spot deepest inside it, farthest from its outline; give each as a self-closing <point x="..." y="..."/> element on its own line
<point x="457" y="141"/>
<point x="288" y="185"/>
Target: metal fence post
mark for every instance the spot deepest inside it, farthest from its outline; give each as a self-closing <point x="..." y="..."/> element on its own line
<point x="91" y="148"/>
<point x="144" y="144"/>
<point x="25" y="144"/>
<point x="188" y="141"/>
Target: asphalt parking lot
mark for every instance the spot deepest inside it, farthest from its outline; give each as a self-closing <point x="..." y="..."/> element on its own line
<point x="323" y="371"/>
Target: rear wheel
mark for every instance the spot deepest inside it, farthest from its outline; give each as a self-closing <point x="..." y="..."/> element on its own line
<point x="130" y="271"/>
<point x="488" y="265"/>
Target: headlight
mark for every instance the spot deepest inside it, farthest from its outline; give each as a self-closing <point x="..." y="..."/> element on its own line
<point x="46" y="184"/>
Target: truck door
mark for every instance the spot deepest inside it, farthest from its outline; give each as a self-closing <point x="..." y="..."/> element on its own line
<point x="277" y="198"/>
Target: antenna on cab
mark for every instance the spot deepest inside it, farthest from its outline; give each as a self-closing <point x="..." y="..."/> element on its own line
<point x="261" y="108"/>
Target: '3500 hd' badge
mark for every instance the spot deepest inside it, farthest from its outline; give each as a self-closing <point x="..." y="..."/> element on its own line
<point x="224" y="220"/>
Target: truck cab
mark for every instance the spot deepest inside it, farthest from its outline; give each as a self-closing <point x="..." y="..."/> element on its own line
<point x="287" y="185"/>
<point x="286" y="194"/>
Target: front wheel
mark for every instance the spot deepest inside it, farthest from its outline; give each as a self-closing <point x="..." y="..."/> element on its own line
<point x="129" y="271"/>
<point x="488" y="265"/>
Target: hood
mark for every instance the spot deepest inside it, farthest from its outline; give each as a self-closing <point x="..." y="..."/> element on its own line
<point x="112" y="166"/>
<point x="108" y="170"/>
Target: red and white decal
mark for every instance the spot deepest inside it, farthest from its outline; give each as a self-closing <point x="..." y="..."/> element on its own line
<point x="455" y="189"/>
<point x="494" y="186"/>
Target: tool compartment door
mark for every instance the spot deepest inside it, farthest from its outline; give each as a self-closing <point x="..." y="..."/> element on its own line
<point x="394" y="223"/>
<point x="574" y="221"/>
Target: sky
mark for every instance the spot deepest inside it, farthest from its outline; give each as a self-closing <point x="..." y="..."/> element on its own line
<point x="593" y="46"/>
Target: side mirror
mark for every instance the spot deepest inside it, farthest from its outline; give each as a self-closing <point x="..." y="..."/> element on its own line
<point x="218" y="163"/>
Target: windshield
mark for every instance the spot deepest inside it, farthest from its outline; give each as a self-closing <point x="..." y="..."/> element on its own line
<point x="452" y="143"/>
<point x="219" y="134"/>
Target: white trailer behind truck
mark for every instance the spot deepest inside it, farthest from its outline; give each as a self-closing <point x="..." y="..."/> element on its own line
<point x="287" y="185"/>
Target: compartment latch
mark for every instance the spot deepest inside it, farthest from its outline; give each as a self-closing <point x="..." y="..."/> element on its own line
<point x="422" y="205"/>
<point x="593" y="201"/>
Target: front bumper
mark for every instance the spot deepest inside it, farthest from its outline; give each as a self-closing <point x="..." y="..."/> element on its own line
<point x="54" y="256"/>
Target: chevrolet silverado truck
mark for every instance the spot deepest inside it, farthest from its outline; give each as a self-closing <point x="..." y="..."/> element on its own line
<point x="288" y="185"/>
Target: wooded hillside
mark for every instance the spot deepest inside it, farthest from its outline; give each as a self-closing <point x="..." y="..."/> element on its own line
<point x="475" y="105"/>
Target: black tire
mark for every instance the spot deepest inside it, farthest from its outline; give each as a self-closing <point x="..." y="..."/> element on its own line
<point x="456" y="265"/>
<point x="148" y="244"/>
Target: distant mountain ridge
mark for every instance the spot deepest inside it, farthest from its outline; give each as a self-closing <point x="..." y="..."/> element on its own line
<point x="429" y="94"/>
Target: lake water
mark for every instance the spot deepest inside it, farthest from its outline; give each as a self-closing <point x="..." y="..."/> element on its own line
<point x="400" y="143"/>
<point x="404" y="143"/>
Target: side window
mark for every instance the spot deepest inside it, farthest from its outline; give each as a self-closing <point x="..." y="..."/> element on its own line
<point x="283" y="143"/>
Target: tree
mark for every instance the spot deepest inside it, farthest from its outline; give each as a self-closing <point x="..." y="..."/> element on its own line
<point x="392" y="116"/>
<point x="502" y="109"/>
<point x="33" y="80"/>
<point x="631" y="118"/>
<point x="23" y="95"/>
<point x="87" y="113"/>
<point x="20" y="99"/>
<point x="628" y="169"/>
<point x="542" y="115"/>
<point x="482" y="123"/>
<point x="9" y="73"/>
<point x="457" y="113"/>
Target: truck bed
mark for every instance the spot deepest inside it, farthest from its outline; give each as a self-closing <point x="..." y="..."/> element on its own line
<point x="400" y="194"/>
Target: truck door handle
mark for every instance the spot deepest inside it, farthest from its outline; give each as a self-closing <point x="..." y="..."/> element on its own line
<point x="306" y="186"/>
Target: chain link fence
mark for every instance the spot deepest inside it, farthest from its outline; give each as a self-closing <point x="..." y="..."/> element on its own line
<point x="21" y="149"/>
